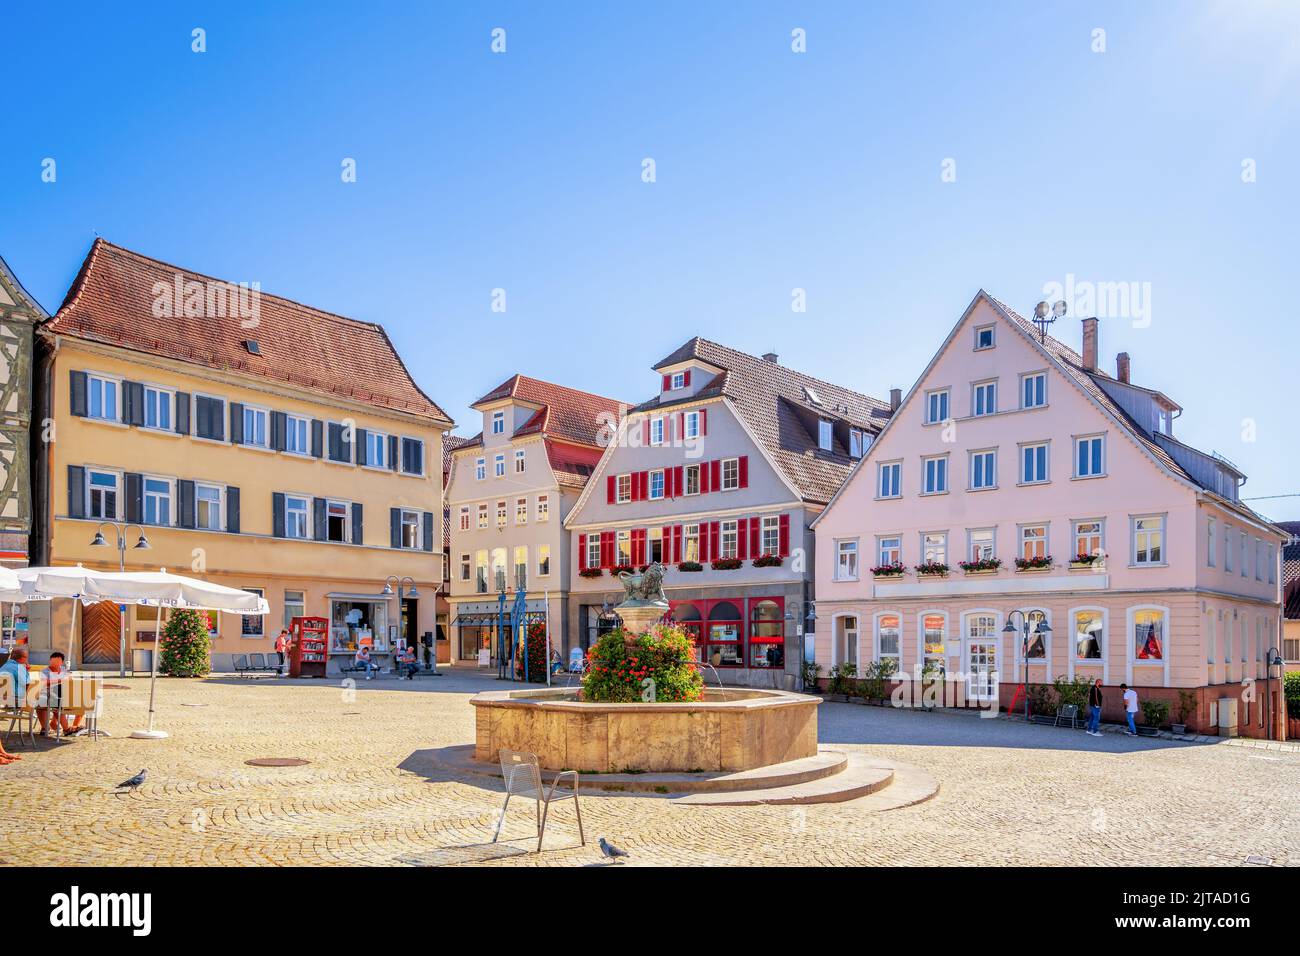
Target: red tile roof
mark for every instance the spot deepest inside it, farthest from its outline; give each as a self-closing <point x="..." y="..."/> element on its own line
<point x="112" y="301"/>
<point x="562" y="412"/>
<point x="572" y="464"/>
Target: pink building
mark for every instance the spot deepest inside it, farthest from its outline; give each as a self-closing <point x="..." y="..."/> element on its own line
<point x="1016" y="476"/>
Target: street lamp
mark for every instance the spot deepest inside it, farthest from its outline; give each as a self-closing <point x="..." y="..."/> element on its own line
<point x="1040" y="630"/>
<point x="402" y="594"/>
<point x="120" y="528"/>
<point x="1273" y="658"/>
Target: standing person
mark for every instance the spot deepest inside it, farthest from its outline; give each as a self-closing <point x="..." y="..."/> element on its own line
<point x="1094" y="708"/>
<point x="282" y="648"/>
<point x="1130" y="707"/>
<point x="363" y="660"/>
<point x="13" y="680"/>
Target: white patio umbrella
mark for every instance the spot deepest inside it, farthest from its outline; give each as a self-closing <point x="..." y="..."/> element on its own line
<point x="68" y="582"/>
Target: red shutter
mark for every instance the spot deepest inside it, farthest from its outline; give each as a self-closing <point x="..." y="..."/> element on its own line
<point x="667" y="545"/>
<point x="645" y="485"/>
<point x="756" y="537"/>
<point x="715" y="479"/>
<point x="582" y="552"/>
<point x="611" y="488"/>
<point x="645" y="433"/>
<point x="607" y="549"/>
<point x="668" y="383"/>
<point x="742" y="539"/>
<point x="715" y="539"/>
<point x="677" y="481"/>
<point x="704" y="477"/>
<point x="681" y="425"/>
<point x="783" y="536"/>
<point x="704" y="422"/>
<point x="638" y="545"/>
<point x="677" y="543"/>
<point x="686" y="378"/>
<point x="744" y="471"/>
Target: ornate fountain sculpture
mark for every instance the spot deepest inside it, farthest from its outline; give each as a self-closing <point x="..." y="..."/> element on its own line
<point x="644" y="603"/>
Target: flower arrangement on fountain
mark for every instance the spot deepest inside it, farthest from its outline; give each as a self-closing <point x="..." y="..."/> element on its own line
<point x="659" y="665"/>
<point x="1036" y="563"/>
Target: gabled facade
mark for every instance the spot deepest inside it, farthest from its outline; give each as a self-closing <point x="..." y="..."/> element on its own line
<point x="1065" y="493"/>
<point x="718" y="476"/>
<point x="509" y="490"/>
<point x="19" y="313"/>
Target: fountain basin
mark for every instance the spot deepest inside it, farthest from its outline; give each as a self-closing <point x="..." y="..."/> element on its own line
<point x="729" y="730"/>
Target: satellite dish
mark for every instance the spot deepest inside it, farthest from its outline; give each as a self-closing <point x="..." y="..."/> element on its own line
<point x="1060" y="309"/>
<point x="1041" y="310"/>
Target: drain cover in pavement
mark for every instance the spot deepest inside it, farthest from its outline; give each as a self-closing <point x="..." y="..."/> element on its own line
<point x="277" y="762"/>
<point x="1255" y="860"/>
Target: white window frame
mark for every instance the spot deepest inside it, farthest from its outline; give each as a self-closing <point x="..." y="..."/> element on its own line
<point x="732" y="484"/>
<point x="1211" y="539"/>
<point x="498" y="423"/>
<point x="677" y="380"/>
<point x="1227" y="548"/>
<point x="941" y="396"/>
<point x="593" y="550"/>
<point x="521" y="511"/>
<point x="690" y="533"/>
<point x="1245" y="556"/>
<point x="377" y="442"/>
<point x="932" y="543"/>
<point x="499" y="465"/>
<point x="418" y="525"/>
<point x="993" y="338"/>
<point x="992" y="469"/>
<point x="291" y="512"/>
<point x="119" y="506"/>
<point x="622" y="489"/>
<point x="729" y="539"/>
<point x="104" y="381"/>
<point x="847" y="548"/>
<point x="145" y="495"/>
<point x="503" y="513"/>
<point x="657" y="431"/>
<point x="1130" y="638"/>
<point x="484" y="516"/>
<point x="1098" y="466"/>
<point x="687" y="472"/>
<point x="992" y="544"/>
<point x="657" y="473"/>
<point x="1025" y="380"/>
<point x="347" y="519"/>
<point x="543" y="560"/>
<point x="940" y="487"/>
<point x="520" y="461"/>
<point x="825" y="434"/>
<point x="895" y="469"/>
<point x="1034" y="526"/>
<point x="1047" y="462"/>
<point x="465" y="520"/>
<point x="769" y="533"/>
<point x="988" y="390"/>
<point x="466" y="567"/>
<point x="161" y="395"/>
<point x="1075" y="525"/>
<point x="855" y="443"/>
<point x="543" y="507"/>
<point x="1134" y="532"/>
<point x="882" y="546"/>
<point x="691" y="424"/>
<point x="256" y="413"/>
<point x="480" y="469"/>
<point x="1272" y="564"/>
<point x="292" y="426"/>
<point x="877" y="650"/>
<point x="220" y="502"/>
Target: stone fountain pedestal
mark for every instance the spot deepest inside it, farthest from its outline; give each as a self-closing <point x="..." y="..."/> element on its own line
<point x="639" y="617"/>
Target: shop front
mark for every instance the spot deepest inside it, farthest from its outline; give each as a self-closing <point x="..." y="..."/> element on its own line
<point x="356" y="621"/>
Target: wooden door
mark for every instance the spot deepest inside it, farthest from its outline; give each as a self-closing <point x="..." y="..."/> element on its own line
<point x="101" y="629"/>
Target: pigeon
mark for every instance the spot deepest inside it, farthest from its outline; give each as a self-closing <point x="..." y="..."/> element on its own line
<point x="134" y="783"/>
<point x="611" y="852"/>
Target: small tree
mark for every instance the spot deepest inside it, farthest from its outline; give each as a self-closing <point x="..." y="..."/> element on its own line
<point x="537" y="662"/>
<point x="185" y="645"/>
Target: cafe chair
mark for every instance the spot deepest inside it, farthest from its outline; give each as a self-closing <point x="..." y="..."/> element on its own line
<point x="523" y="777"/>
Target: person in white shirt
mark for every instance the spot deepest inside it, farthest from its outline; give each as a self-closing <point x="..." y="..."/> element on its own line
<point x="1130" y="707"/>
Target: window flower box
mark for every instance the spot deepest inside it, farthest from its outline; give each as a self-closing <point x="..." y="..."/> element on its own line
<point x="1083" y="561"/>
<point x="1034" y="564"/>
<point x="932" y="569"/>
<point x="767" y="561"/>
<point x="591" y="572"/>
<point x="690" y="566"/>
<point x="618" y="569"/>
<point x="894" y="570"/>
<point x="726" y="564"/>
<point x="982" y="566"/>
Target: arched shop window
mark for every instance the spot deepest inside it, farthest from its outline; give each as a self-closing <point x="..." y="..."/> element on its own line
<point x="766" y="634"/>
<point x="687" y="617"/>
<point x="725" y="637"/>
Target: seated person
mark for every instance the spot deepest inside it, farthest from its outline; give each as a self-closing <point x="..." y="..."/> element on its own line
<point x="363" y="659"/>
<point x="13" y="685"/>
<point x="406" y="662"/>
<point x="54" y="682"/>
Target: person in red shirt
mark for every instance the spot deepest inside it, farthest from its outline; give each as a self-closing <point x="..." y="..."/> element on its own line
<point x="282" y="647"/>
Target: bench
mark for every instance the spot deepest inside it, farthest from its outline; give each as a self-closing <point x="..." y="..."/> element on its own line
<point x="247" y="664"/>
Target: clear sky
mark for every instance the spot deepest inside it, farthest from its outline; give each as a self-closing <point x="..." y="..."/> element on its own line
<point x="774" y="171"/>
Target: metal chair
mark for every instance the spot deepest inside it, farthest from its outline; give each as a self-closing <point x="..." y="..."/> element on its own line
<point x="16" y="711"/>
<point x="1068" y="712"/>
<point x="523" y="777"/>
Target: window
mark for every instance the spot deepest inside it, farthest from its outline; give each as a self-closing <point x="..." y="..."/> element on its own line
<point x="890" y="549"/>
<point x="1148" y="540"/>
<point x="1291" y="649"/>
<point x="984" y="398"/>
<point x="250" y="625"/>
<point x="519" y="461"/>
<point x="983" y="470"/>
<point x="887" y="639"/>
<point x="657" y="484"/>
<point x="210" y="417"/>
<point x="480" y="468"/>
<point x="339" y="442"/>
<point x="102" y="492"/>
<point x="984" y="337"/>
<point x="933" y="645"/>
<point x="521" y="511"/>
<point x="730" y="540"/>
<point x="825" y="435"/>
<point x="691" y="423"/>
<point x="1272" y="564"/>
<point x="295" y="517"/>
<point x="543" y="507"/>
<point x="847" y="560"/>
<point x="464" y="518"/>
<point x="295" y="435"/>
<point x="623" y="547"/>
<point x="766" y="634"/>
<point x="655" y="546"/>
<point x="593" y="550"/>
<point x="295" y="605"/>
<point x="337" y="526"/>
<point x="158" y="408"/>
<point x="207" y="507"/>
<point x="499" y="466"/>
<point x="845" y="649"/>
<point x="1087" y="539"/>
<point x="1033" y="390"/>
<point x="481" y="572"/>
<point x="498" y="423"/>
<point x="692" y="476"/>
<point x="1210" y="539"/>
<point x="691" y="543"/>
<point x="935" y="471"/>
<point x="890" y="478"/>
<point x="656" y="431"/>
<point x="724" y="647"/>
<point x="678" y="380"/>
<point x="770" y="534"/>
<point x="730" y="474"/>
<point x="624" y="489"/>
<point x="521" y="567"/>
<point x="543" y="560"/>
<point x="1089" y="461"/>
<point x="936" y="406"/>
<point x="412" y="522"/>
<point x="413" y="456"/>
<point x="502" y="514"/>
<point x="483" y="515"/>
<point x="1033" y="541"/>
<point x="377" y="449"/>
<point x="464" y="567"/>
<point x="855" y="442"/>
<point x="499" y="569"/>
<point x="1227" y="549"/>
<point x="934" y="547"/>
<point x="1149" y="634"/>
<point x="101" y="398"/>
<point x="1033" y="464"/>
<point x="982" y="544"/>
<point x="255" y="427"/>
<point x="1243" y="554"/>
<point x="1035" y="646"/>
<point x="1259" y="560"/>
<point x="157" y="501"/>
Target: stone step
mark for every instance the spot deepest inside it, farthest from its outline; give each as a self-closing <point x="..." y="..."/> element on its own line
<point x="860" y="777"/>
<point x="910" y="786"/>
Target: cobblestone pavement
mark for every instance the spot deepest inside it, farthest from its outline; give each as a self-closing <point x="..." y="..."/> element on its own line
<point x="370" y="795"/>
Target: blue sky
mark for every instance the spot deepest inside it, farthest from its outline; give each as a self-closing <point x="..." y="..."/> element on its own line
<point x="775" y="170"/>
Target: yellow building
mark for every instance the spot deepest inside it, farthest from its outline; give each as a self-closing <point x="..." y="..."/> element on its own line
<point x="251" y="440"/>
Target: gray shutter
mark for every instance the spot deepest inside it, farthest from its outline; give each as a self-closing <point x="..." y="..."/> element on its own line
<point x="76" y="490"/>
<point x="394" y="527"/>
<point x="318" y="518"/>
<point x="317" y="438"/>
<point x="334" y="435"/>
<point x="237" y="423"/>
<point x="183" y="413"/>
<point x="428" y="531"/>
<point x="357" y="529"/>
<point x="392" y="453"/>
<point x="232" y="509"/>
<point x="279" y="425"/>
<point x="133" y="403"/>
<point x="77" y="393"/>
<point x="134" y="497"/>
<point x="361" y="446"/>
<point x="345" y="446"/>
<point x="185" y="515"/>
<point x="277" y="514"/>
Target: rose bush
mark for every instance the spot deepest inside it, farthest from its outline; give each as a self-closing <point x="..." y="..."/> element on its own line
<point x="665" y="657"/>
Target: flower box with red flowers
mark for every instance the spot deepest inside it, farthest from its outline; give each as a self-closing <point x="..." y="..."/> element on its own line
<point x="932" y="569"/>
<point x="618" y="569"/>
<point x="1084" y="561"/>
<point x="767" y="561"/>
<point x="982" y="566"/>
<point x="690" y="566"/>
<point x="726" y="564"/>
<point x="1034" y="564"/>
<point x="894" y="570"/>
<point x="591" y="572"/>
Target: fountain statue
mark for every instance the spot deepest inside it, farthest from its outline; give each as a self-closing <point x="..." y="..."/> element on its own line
<point x="644" y="604"/>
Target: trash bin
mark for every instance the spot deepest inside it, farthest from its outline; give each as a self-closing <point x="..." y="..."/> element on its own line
<point x="142" y="660"/>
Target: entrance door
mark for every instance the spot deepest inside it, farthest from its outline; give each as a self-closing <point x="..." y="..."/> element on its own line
<point x="981" y="670"/>
<point x="101" y="633"/>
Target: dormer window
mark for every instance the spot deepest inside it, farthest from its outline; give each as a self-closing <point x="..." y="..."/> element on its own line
<point x="678" y="380"/>
<point x="984" y="337"/>
<point x="811" y="395"/>
<point x="855" y="442"/>
<point x="498" y="423"/>
<point x="825" y="435"/>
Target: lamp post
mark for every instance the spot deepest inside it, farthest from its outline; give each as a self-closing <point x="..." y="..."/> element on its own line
<point x="804" y="618"/>
<point x="1272" y="658"/>
<point x="402" y="595"/>
<point x="120" y="528"/>
<point x="1041" y="629"/>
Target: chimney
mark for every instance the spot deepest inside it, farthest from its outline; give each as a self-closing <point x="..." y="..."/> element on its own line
<point x="1122" y="367"/>
<point x="770" y="357"/>
<point x="1090" y="344"/>
<point x="895" y="399"/>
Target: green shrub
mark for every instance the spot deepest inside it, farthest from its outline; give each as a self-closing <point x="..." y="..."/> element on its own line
<point x="1186" y="705"/>
<point x="537" y="655"/>
<point x="809" y="671"/>
<point x="875" y="678"/>
<point x="1291" y="685"/>
<point x="1042" y="700"/>
<point x="185" y="645"/>
<point x="1072" y="691"/>
<point x="1154" y="712"/>
<point x="664" y="657"/>
<point x="843" y="680"/>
